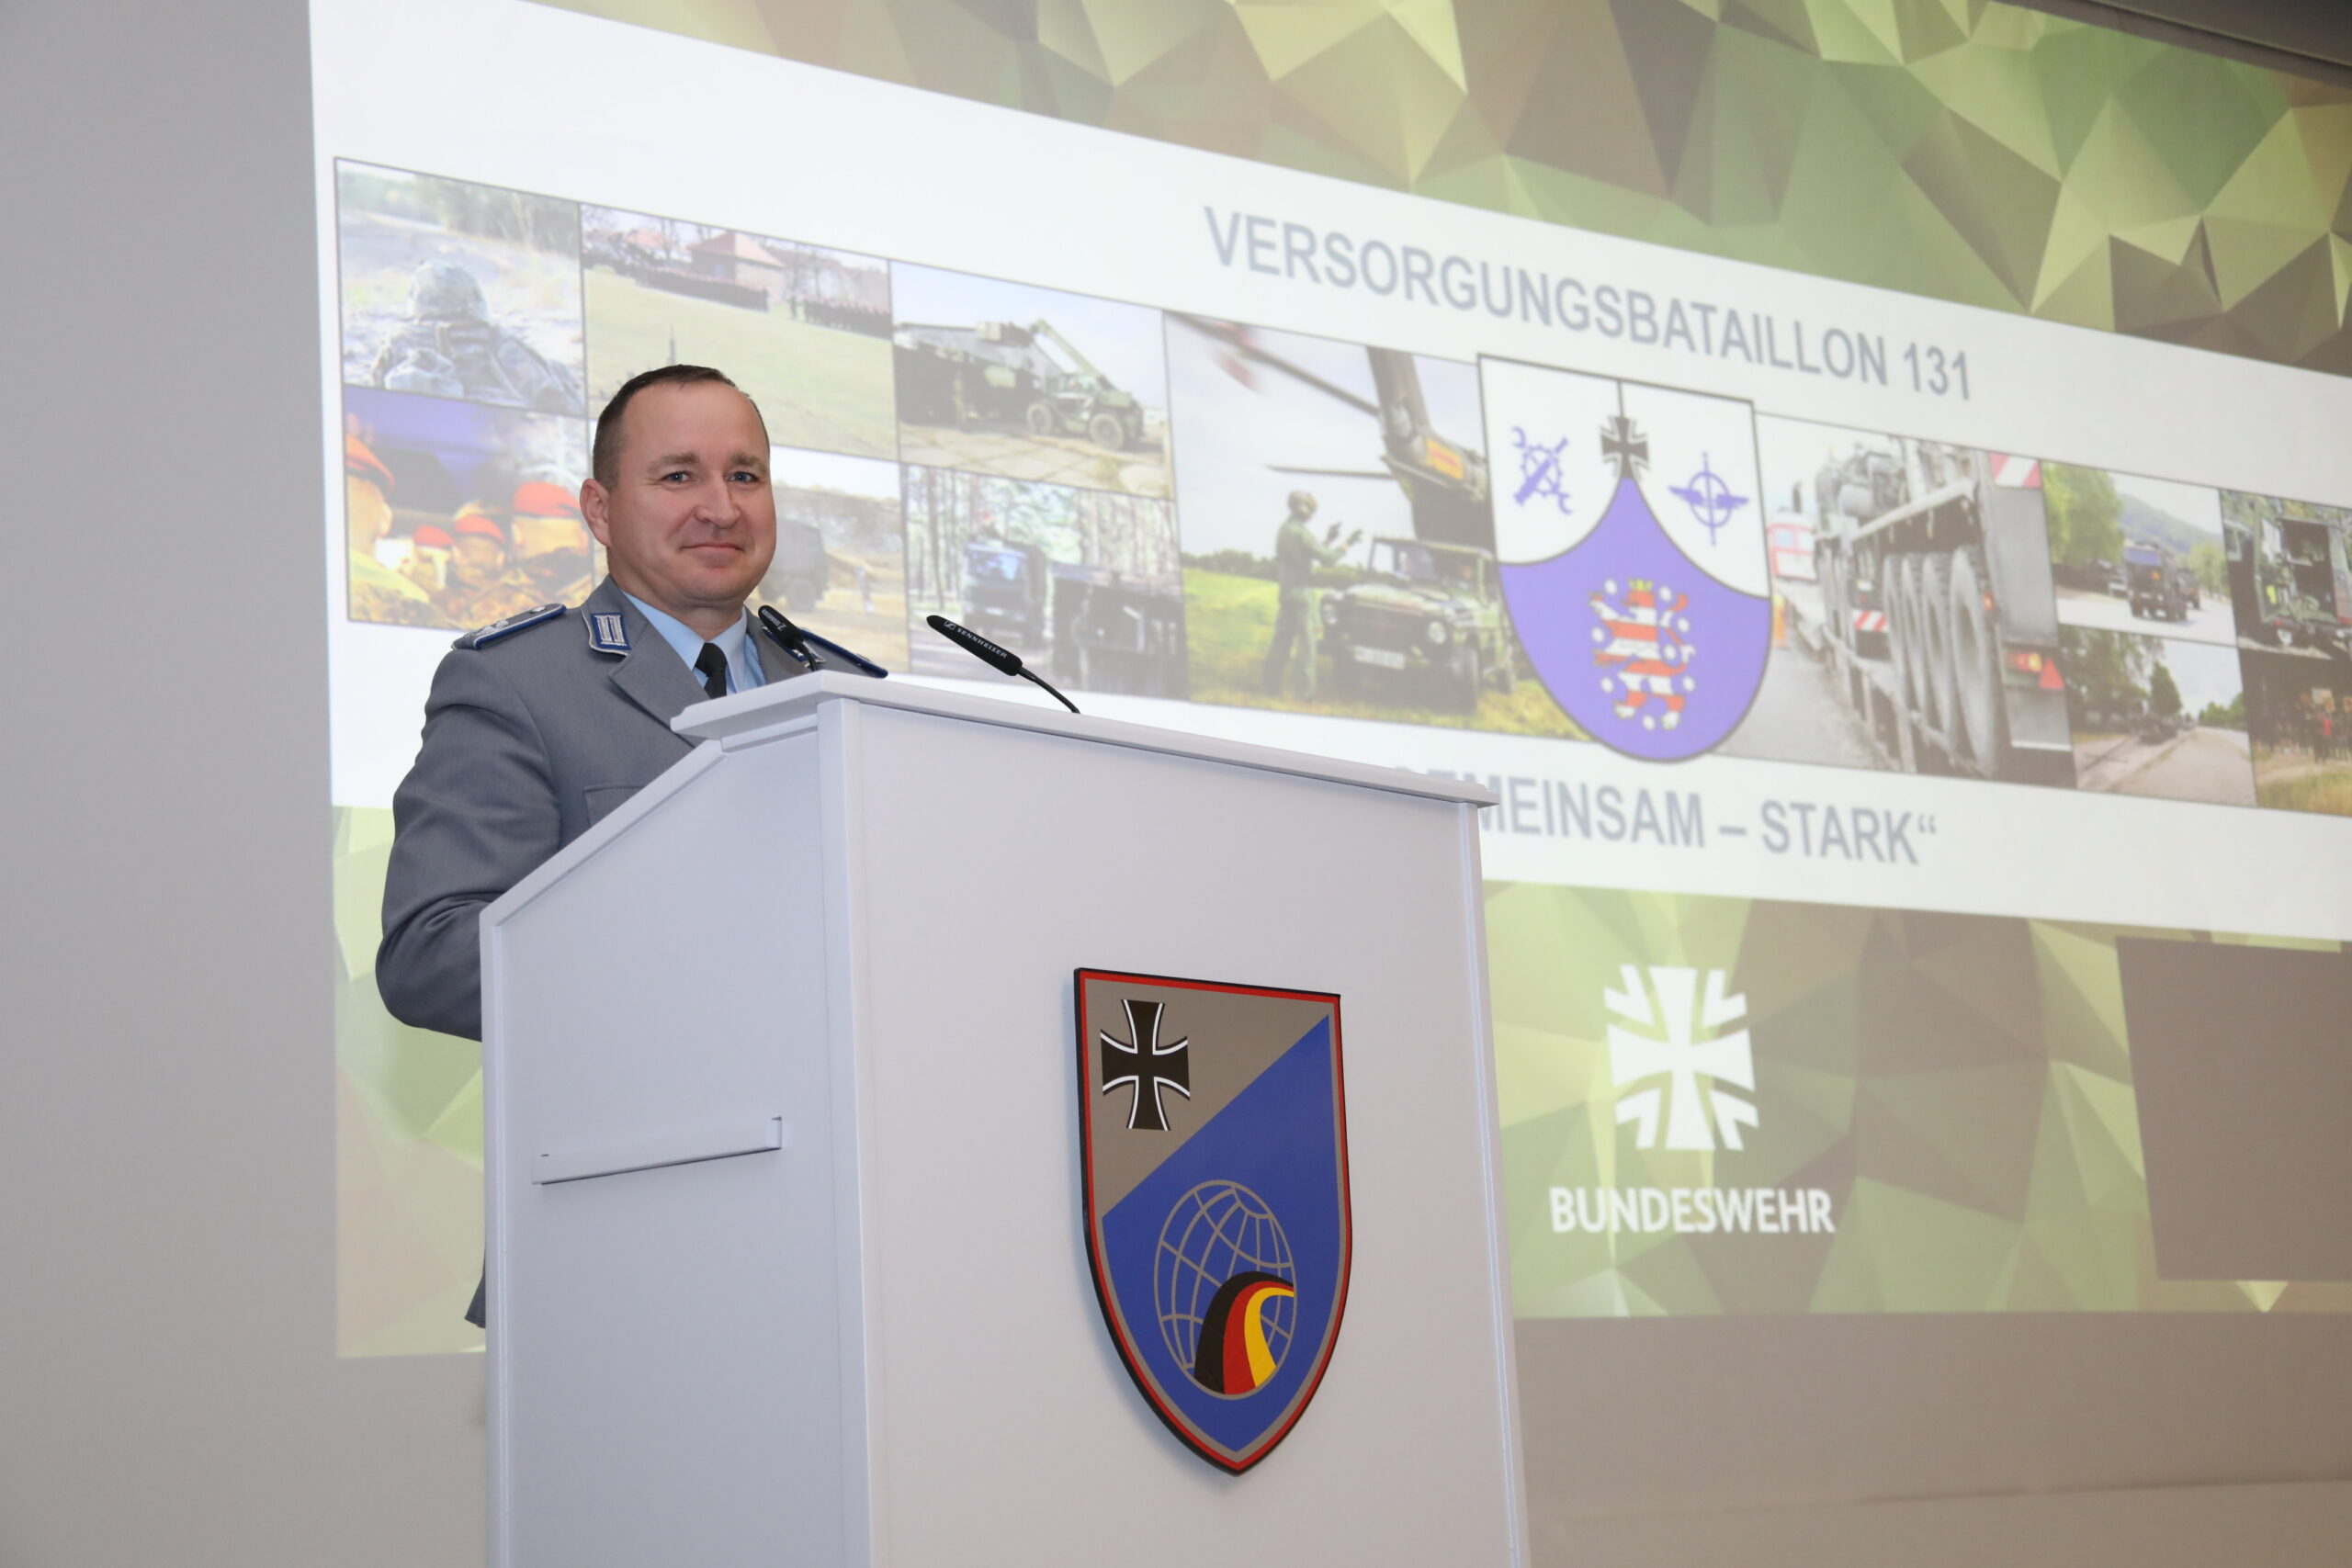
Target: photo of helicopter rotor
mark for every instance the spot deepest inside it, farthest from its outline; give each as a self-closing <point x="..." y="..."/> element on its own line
<point x="1339" y="541"/>
<point x="1445" y="481"/>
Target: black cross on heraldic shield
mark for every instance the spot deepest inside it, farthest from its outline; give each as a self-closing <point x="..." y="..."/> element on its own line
<point x="1147" y="1066"/>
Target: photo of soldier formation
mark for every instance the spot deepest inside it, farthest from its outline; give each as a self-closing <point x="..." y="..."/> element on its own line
<point x="1020" y="458"/>
<point x="460" y="513"/>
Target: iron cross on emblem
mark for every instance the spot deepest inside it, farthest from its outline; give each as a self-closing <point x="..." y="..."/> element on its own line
<point x="1147" y="1066"/>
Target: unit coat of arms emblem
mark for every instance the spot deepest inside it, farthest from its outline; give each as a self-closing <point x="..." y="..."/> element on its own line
<point x="1214" y="1130"/>
<point x="1632" y="552"/>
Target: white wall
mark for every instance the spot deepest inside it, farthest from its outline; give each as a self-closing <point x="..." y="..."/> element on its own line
<point x="169" y="1391"/>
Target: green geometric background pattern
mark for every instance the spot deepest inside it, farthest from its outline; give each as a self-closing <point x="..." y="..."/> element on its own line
<point x="1956" y="149"/>
<point x="1960" y="1083"/>
<point x="408" y="1138"/>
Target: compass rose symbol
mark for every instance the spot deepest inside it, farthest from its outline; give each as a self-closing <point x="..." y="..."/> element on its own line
<point x="1710" y="500"/>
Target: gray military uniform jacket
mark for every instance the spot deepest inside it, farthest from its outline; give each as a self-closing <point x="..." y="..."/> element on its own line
<point x="528" y="742"/>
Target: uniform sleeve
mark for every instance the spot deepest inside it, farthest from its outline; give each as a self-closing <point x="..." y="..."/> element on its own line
<point x="476" y="815"/>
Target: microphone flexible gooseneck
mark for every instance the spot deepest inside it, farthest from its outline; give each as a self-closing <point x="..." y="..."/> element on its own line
<point x="1002" y="659"/>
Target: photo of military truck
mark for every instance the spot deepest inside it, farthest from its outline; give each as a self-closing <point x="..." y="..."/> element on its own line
<point x="1006" y="374"/>
<point x="2126" y="550"/>
<point x="1029" y="383"/>
<point x="2290" y="572"/>
<point x="1926" y="639"/>
<point x="1008" y="591"/>
<point x="1082" y="585"/>
<point x="2159" y="583"/>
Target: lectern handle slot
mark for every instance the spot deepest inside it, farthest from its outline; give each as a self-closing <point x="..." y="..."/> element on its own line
<point x="749" y="1137"/>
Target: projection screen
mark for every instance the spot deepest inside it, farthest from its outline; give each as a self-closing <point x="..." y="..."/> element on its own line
<point x="1919" y="720"/>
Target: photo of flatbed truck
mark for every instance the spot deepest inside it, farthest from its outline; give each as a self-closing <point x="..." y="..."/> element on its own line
<point x="1931" y="560"/>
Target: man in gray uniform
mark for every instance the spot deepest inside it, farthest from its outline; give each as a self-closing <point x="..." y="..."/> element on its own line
<point x="538" y="726"/>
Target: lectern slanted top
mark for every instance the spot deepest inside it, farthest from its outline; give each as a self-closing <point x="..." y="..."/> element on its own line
<point x="782" y="1107"/>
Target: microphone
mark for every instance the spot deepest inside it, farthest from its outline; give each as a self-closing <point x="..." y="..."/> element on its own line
<point x="1002" y="659"/>
<point x="810" y="648"/>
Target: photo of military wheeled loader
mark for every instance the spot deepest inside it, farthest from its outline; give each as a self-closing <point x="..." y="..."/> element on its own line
<point x="1010" y="374"/>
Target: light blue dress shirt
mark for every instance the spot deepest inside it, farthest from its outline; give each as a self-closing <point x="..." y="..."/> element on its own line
<point x="743" y="671"/>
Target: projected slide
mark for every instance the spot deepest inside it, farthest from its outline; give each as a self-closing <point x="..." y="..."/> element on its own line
<point x="1859" y="680"/>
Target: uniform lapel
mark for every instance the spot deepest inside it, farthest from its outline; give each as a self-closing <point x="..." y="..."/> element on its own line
<point x="650" y="673"/>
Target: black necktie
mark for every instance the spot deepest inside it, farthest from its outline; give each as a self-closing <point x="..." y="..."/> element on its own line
<point x="713" y="665"/>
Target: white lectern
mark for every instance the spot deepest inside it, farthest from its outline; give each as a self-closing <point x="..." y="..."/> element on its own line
<point x="786" y="1260"/>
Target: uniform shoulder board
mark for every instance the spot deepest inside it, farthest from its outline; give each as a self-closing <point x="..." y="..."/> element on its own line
<point x="482" y="637"/>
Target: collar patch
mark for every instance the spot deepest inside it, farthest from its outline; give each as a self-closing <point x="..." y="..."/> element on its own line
<point x="606" y="631"/>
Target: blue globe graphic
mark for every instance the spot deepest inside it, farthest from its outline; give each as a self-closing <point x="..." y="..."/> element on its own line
<point x="1215" y="1231"/>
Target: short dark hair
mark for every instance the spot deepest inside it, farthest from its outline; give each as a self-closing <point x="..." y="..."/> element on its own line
<point x="605" y="457"/>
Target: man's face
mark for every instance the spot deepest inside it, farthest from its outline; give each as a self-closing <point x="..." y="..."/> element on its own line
<point x="689" y="524"/>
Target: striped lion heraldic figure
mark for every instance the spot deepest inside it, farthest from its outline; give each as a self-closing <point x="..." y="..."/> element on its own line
<point x="1217" y="1222"/>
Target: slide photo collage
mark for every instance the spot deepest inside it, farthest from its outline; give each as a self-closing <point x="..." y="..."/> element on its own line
<point x="1151" y="504"/>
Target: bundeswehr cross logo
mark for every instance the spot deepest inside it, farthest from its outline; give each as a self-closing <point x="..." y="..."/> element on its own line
<point x="1215" y="1172"/>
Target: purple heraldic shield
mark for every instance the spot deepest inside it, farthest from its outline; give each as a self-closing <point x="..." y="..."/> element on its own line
<point x="1631" y="535"/>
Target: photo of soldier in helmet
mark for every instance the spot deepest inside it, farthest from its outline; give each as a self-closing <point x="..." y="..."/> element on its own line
<point x="450" y="347"/>
<point x="458" y="290"/>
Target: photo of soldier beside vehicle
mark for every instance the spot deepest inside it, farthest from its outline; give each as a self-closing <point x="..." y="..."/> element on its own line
<point x="1338" y="539"/>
